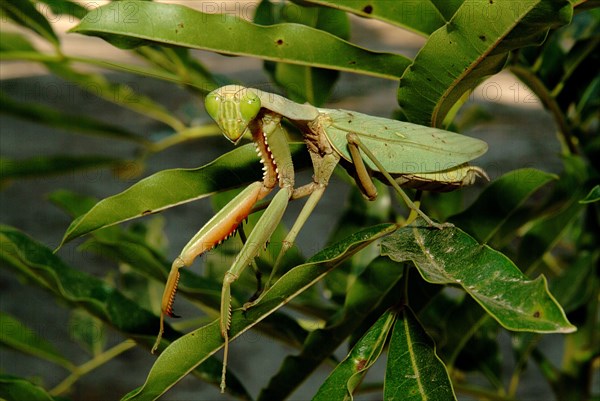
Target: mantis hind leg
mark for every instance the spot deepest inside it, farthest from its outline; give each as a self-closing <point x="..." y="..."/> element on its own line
<point x="366" y="183"/>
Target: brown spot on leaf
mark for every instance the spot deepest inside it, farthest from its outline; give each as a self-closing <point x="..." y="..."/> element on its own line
<point x="482" y="37"/>
<point x="536" y="314"/>
<point x="279" y="42"/>
<point x="368" y="9"/>
<point x="146" y="212"/>
<point x="360" y="364"/>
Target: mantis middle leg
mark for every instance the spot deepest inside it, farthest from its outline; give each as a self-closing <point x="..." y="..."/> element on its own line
<point x="366" y="183"/>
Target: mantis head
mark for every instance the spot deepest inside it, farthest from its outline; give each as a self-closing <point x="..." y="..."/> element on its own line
<point x="233" y="108"/>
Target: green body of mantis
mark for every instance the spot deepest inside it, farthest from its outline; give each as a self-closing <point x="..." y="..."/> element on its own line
<point x="404" y="154"/>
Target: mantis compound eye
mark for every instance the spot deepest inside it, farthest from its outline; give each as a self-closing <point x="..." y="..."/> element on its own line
<point x="212" y="104"/>
<point x="249" y="106"/>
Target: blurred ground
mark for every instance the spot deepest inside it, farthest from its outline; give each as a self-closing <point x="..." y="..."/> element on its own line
<point x="520" y="134"/>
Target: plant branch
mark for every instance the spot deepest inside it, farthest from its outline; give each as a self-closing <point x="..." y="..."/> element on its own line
<point x="90" y="365"/>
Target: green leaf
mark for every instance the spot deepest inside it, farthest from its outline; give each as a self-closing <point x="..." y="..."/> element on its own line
<point x="15" y="388"/>
<point x="16" y="49"/>
<point x="414" y="371"/>
<point x="358" y="213"/>
<point x="73" y="122"/>
<point x="88" y="331"/>
<point x="499" y="200"/>
<point x="563" y="210"/>
<point x="575" y="287"/>
<point x="24" y="13"/>
<point x="447" y="7"/>
<point x="74" y="286"/>
<point x="66" y="7"/>
<point x="452" y="257"/>
<point x="180" y="62"/>
<point x="302" y="83"/>
<point x="422" y="17"/>
<point x="370" y="288"/>
<point x="121" y="94"/>
<point x="473" y="45"/>
<point x="77" y="288"/>
<point x="72" y="203"/>
<point x="15" y="335"/>
<point x="12" y="41"/>
<point x="169" y="188"/>
<point x="51" y="165"/>
<point x="192" y="349"/>
<point x="343" y="381"/>
<point x="143" y="22"/>
<point x="134" y="250"/>
<point x="592" y="196"/>
<point x="470" y="341"/>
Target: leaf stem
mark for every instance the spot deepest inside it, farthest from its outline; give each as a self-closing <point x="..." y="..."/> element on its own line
<point x="481" y="393"/>
<point x="184" y="136"/>
<point x="543" y="93"/>
<point x="90" y="365"/>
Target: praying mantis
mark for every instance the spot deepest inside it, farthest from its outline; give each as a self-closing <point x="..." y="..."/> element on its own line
<point x="402" y="154"/>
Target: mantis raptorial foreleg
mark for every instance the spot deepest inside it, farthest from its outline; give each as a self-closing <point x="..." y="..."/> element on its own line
<point x="220" y="227"/>
<point x="226" y="221"/>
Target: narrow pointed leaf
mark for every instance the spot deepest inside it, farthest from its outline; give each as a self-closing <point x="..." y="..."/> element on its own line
<point x="346" y="377"/>
<point x="499" y="201"/>
<point x="473" y="45"/>
<point x="575" y="286"/>
<point x="66" y="7"/>
<point x="12" y="41"/>
<point x="414" y="371"/>
<point x="184" y="354"/>
<point x="169" y="188"/>
<point x="592" y="196"/>
<point x="16" y="335"/>
<point x="73" y="122"/>
<point x="74" y="286"/>
<point x="122" y="94"/>
<point x="16" y="388"/>
<point x="88" y="331"/>
<point x="544" y="233"/>
<point x="472" y="340"/>
<point x="170" y="24"/>
<point x="24" y="13"/>
<point x="452" y="257"/>
<point x="182" y="64"/>
<point x="41" y="166"/>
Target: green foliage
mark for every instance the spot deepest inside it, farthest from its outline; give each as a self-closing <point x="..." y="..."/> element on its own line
<point x="521" y="258"/>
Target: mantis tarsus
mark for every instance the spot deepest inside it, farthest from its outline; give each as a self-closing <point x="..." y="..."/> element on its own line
<point x="405" y="154"/>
